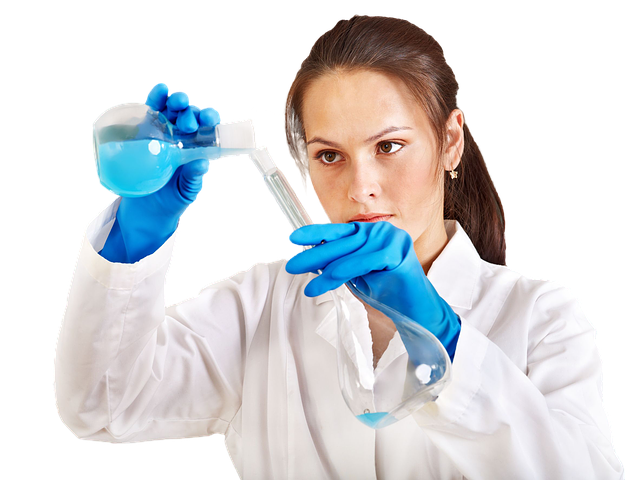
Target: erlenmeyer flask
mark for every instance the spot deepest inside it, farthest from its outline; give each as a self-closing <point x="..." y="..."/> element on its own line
<point x="427" y="367"/>
<point x="137" y="149"/>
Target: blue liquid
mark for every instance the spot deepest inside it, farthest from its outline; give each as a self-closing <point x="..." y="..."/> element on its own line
<point x="135" y="168"/>
<point x="130" y="169"/>
<point x="372" y="420"/>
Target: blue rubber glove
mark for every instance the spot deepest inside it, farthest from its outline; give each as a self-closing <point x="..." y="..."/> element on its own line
<point x="143" y="224"/>
<point x="380" y="259"/>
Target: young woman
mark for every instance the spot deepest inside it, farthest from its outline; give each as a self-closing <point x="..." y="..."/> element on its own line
<point x="372" y="118"/>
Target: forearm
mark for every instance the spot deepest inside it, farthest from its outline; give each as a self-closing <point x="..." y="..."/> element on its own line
<point x="109" y="330"/>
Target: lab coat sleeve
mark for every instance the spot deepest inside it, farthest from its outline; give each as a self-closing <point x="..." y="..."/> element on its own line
<point x="496" y="421"/>
<point x="129" y="369"/>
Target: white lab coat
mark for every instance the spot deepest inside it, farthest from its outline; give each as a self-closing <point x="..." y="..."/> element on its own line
<point x="253" y="358"/>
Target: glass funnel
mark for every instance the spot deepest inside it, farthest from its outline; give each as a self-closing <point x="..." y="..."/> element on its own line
<point x="137" y="149"/>
<point x="374" y="400"/>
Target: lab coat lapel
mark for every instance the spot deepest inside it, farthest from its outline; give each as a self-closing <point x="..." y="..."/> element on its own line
<point x="456" y="271"/>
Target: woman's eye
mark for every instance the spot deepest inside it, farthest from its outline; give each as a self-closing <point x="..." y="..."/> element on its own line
<point x="329" y="157"/>
<point x="389" y="147"/>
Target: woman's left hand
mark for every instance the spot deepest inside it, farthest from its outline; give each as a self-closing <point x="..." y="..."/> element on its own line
<point x="380" y="259"/>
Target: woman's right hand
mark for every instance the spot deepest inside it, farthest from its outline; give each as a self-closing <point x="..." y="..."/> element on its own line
<point x="143" y="224"/>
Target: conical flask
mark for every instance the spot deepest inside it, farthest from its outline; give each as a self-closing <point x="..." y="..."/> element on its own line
<point x="374" y="402"/>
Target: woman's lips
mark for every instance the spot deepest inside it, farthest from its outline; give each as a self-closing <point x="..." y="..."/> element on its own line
<point x="381" y="218"/>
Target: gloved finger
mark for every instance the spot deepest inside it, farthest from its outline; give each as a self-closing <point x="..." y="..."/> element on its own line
<point x="358" y="265"/>
<point x="319" y="257"/>
<point x="195" y="168"/>
<point x="303" y="263"/>
<point x="383" y="247"/>
<point x="157" y="98"/>
<point x="209" y="117"/>
<point x="315" y="234"/>
<point x="387" y="256"/>
<point x="354" y="266"/>
<point x="170" y="115"/>
<point x="190" y="180"/>
<point x="196" y="112"/>
<point x="321" y="284"/>
<point x="177" y="101"/>
<point x="186" y="121"/>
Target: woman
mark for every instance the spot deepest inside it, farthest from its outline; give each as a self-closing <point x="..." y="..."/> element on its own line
<point x="373" y="109"/>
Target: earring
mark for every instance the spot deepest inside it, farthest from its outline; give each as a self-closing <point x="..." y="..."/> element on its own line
<point x="453" y="173"/>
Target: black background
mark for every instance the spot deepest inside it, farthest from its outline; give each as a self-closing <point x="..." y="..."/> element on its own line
<point x="536" y="97"/>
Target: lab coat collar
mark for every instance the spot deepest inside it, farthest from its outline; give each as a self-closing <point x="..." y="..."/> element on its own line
<point x="454" y="274"/>
<point x="456" y="271"/>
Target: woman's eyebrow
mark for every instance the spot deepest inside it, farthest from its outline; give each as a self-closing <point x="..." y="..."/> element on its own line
<point x="373" y="138"/>
<point x="384" y="132"/>
<point x="322" y="140"/>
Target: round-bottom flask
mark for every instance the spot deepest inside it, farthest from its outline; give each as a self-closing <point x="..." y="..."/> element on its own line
<point x="137" y="150"/>
<point x="377" y="396"/>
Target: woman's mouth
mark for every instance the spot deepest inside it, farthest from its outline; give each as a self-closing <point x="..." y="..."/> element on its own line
<point x="370" y="218"/>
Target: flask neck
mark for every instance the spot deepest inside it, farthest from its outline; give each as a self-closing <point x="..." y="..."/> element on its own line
<point x="209" y="153"/>
<point x="204" y="137"/>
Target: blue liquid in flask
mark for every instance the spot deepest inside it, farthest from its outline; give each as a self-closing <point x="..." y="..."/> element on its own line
<point x="137" y="150"/>
<point x="135" y="168"/>
<point x="373" y="420"/>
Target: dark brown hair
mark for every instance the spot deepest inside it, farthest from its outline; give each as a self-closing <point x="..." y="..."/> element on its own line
<point x="400" y="49"/>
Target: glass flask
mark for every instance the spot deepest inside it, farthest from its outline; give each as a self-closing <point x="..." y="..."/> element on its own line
<point x="137" y="149"/>
<point x="371" y="399"/>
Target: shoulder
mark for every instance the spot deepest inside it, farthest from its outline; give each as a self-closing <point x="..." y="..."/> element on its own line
<point x="547" y="326"/>
<point x="521" y="289"/>
<point x="530" y="310"/>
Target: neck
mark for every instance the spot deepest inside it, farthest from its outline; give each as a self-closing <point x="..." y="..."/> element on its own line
<point x="430" y="244"/>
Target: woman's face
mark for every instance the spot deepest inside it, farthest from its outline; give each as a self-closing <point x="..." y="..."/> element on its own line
<point x="372" y="151"/>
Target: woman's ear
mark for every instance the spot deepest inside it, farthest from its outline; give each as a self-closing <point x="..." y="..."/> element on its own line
<point x="455" y="140"/>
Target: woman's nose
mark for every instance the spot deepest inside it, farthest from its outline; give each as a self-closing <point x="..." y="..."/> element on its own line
<point x="364" y="182"/>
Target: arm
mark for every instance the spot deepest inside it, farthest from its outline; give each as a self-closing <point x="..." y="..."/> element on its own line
<point x="128" y="370"/>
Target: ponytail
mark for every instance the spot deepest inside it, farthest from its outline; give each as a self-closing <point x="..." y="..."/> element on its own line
<point x="473" y="201"/>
